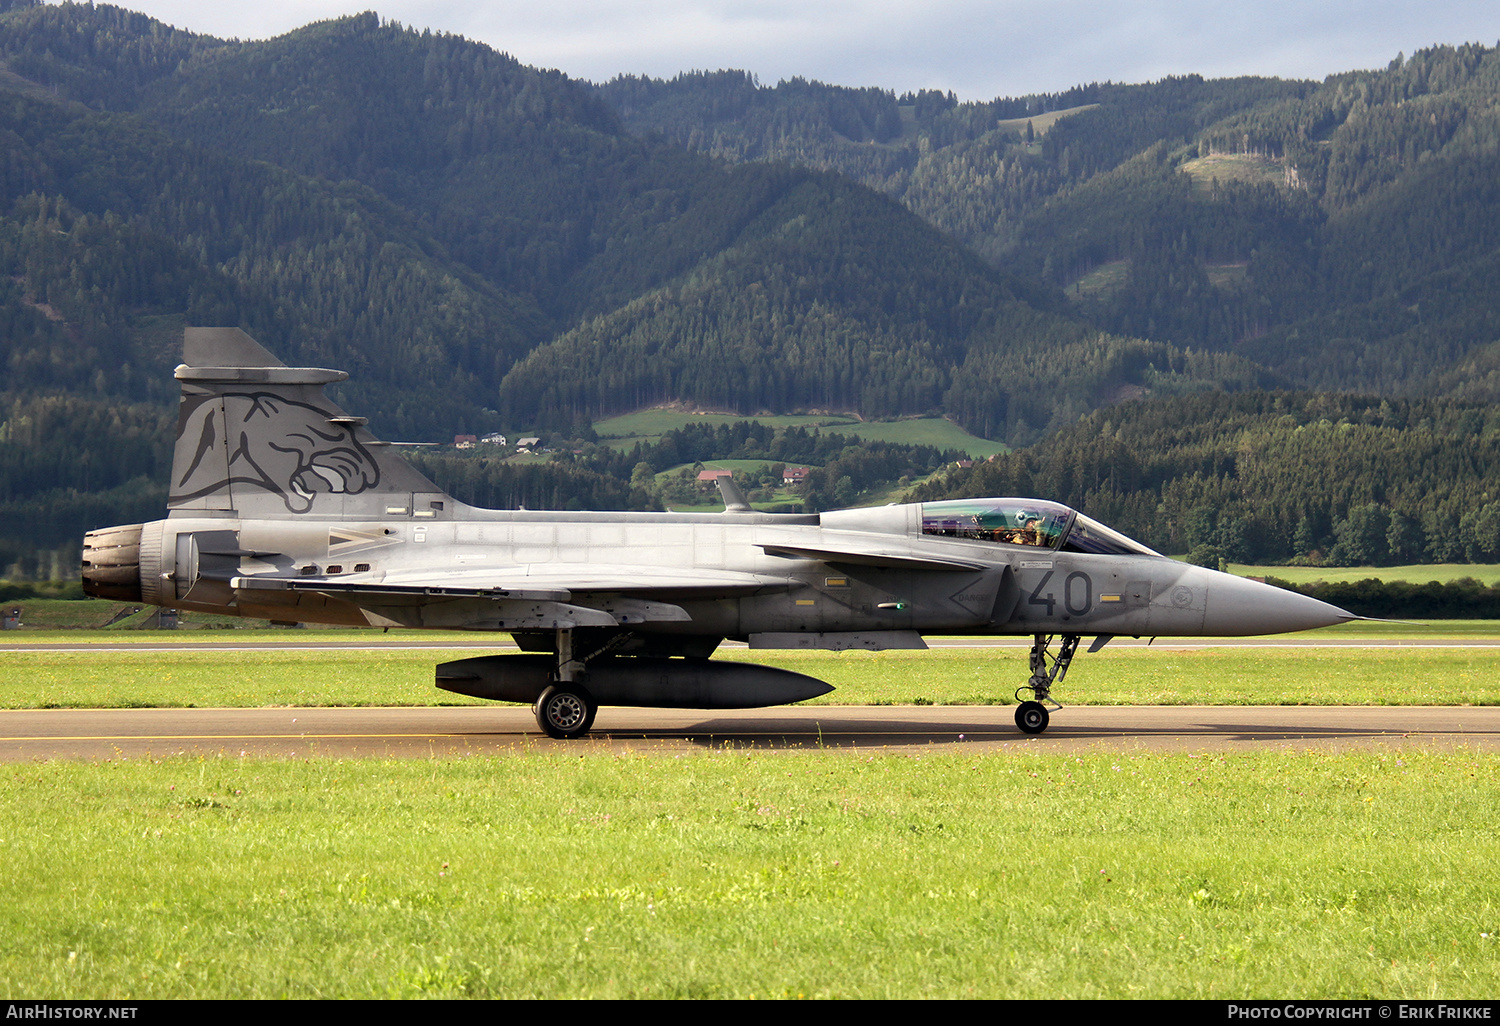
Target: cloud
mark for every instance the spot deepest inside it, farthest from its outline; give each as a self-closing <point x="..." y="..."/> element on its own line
<point x="978" y="49"/>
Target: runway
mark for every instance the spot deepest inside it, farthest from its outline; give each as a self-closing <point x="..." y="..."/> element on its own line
<point x="460" y="648"/>
<point x="93" y="734"/>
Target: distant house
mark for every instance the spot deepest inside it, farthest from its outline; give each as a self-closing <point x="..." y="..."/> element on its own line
<point x="494" y="438"/>
<point x="713" y="475"/>
<point x="465" y="441"/>
<point x="527" y="444"/>
<point x="794" y="475"/>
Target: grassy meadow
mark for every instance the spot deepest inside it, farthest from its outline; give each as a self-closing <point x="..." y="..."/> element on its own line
<point x="1249" y="168"/>
<point x="1119" y="675"/>
<point x="1106" y="875"/>
<point x="1419" y="573"/>
<point x="649" y="425"/>
<point x="1041" y="123"/>
<point x="729" y="874"/>
<point x="1101" y="282"/>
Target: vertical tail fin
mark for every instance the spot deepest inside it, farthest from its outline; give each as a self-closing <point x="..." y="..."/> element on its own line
<point x="734" y="499"/>
<point x="256" y="438"/>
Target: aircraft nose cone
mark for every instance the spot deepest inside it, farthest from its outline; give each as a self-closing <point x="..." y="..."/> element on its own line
<point x="1235" y="606"/>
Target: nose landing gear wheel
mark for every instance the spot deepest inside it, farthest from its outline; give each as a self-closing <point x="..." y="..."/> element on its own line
<point x="1031" y="717"/>
<point x="565" y="711"/>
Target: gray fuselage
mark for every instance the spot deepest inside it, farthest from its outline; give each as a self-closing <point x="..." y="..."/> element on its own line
<point x="729" y="573"/>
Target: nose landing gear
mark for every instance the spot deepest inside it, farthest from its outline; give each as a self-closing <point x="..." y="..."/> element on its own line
<point x="1032" y="715"/>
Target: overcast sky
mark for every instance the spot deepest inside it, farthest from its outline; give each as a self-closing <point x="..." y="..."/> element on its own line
<point x="980" y="49"/>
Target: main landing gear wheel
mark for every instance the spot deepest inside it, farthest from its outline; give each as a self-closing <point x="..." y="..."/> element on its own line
<point x="565" y="711"/>
<point x="1031" y="717"/>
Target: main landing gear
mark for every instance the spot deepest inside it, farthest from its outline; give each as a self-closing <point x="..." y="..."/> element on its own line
<point x="1032" y="714"/>
<point x="566" y="710"/>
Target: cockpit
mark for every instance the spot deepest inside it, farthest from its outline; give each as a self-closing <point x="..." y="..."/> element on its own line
<point x="1029" y="522"/>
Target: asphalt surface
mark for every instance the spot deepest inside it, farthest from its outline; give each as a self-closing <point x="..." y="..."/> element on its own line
<point x="190" y="645"/>
<point x="88" y="734"/>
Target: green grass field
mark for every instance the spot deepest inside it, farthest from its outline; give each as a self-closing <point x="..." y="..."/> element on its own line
<point x="1041" y="123"/>
<point x="654" y="423"/>
<point x="649" y="425"/>
<point x="1227" y="276"/>
<point x="1249" y="168"/>
<point x="782" y="497"/>
<point x="1101" y="282"/>
<point x="1160" y="675"/>
<point x="1105" y="280"/>
<point x="730" y="875"/>
<point x="1420" y="573"/>
<point x="110" y="619"/>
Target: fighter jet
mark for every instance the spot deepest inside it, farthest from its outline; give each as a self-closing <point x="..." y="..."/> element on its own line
<point x="284" y="507"/>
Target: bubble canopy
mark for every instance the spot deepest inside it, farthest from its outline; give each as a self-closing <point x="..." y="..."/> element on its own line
<point x="1035" y="523"/>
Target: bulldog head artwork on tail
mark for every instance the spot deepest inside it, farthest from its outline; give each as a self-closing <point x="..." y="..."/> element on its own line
<point x="262" y="430"/>
<point x="286" y="508"/>
<point x="311" y="453"/>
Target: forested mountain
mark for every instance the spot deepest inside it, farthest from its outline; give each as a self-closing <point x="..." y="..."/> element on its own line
<point x="117" y="235"/>
<point x="1324" y="479"/>
<point x="975" y="169"/>
<point x="481" y="244"/>
<point x="487" y="245"/>
<point x="1345" y="234"/>
<point x="426" y="212"/>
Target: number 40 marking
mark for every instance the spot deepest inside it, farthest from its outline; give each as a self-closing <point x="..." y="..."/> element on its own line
<point x="1075" y="603"/>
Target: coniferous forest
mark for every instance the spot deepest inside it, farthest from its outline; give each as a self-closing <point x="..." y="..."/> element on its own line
<point x="1245" y="319"/>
